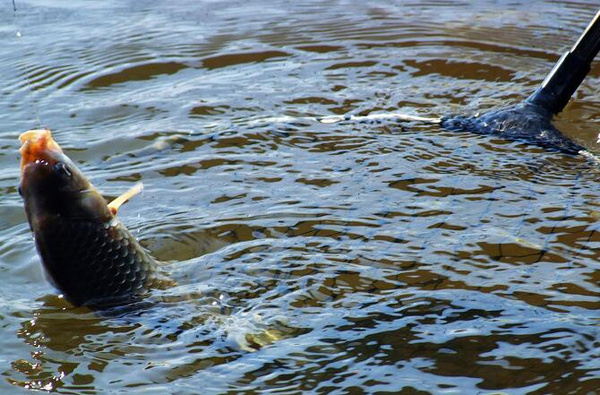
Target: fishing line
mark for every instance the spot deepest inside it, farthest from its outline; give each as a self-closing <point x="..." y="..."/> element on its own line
<point x="31" y="94"/>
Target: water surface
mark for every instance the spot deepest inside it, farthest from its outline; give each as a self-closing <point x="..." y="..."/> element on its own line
<point x="351" y="257"/>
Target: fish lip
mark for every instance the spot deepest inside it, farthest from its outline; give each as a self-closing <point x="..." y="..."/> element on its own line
<point x="38" y="146"/>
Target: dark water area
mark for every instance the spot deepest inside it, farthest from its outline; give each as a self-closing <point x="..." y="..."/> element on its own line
<point x="350" y="257"/>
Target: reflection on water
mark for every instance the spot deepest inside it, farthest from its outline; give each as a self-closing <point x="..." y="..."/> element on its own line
<point x="358" y="256"/>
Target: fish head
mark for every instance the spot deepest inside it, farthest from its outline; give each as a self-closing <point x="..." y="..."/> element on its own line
<point x="52" y="186"/>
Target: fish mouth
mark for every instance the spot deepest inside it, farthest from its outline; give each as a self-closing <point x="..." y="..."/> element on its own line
<point x="38" y="146"/>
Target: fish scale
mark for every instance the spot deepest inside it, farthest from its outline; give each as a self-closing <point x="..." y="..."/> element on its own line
<point x="103" y="266"/>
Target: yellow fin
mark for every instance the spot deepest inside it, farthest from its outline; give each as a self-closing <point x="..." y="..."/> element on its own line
<point x="118" y="202"/>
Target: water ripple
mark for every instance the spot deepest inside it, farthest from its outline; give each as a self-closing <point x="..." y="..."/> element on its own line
<point x="358" y="256"/>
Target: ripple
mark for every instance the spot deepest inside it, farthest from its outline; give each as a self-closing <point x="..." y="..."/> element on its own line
<point x="308" y="256"/>
<point x="135" y="73"/>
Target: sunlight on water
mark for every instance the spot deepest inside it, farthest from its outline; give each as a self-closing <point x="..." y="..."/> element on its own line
<point x="324" y="233"/>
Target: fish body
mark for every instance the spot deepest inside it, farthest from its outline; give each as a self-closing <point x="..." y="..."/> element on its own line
<point x="87" y="253"/>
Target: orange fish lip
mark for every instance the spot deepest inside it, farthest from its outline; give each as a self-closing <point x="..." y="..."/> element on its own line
<point x="38" y="145"/>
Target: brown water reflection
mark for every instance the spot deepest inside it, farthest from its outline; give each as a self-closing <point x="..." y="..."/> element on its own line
<point x="350" y="257"/>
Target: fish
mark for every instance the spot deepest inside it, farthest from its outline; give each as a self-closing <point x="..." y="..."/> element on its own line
<point x="86" y="251"/>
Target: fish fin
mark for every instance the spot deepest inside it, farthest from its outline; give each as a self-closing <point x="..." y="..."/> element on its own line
<point x="119" y="201"/>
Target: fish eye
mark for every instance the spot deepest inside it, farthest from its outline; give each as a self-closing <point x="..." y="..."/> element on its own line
<point x="62" y="169"/>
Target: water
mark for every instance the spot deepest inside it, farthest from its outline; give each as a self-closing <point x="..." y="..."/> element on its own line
<point x="351" y="257"/>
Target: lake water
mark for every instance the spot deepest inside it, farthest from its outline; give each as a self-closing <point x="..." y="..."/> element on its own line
<point x="351" y="257"/>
